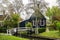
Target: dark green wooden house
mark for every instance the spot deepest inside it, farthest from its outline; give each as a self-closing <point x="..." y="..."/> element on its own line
<point x="39" y="21"/>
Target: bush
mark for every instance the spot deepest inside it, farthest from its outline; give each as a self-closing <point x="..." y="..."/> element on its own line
<point x="41" y="30"/>
<point x="7" y="37"/>
<point x="28" y="24"/>
<point x="2" y="29"/>
<point x="52" y="27"/>
<point x="22" y="32"/>
<point x="58" y="26"/>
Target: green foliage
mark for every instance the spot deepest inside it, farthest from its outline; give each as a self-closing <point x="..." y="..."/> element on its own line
<point x="53" y="11"/>
<point x="2" y="29"/>
<point x="8" y="23"/>
<point x="7" y="37"/>
<point x="22" y="32"/>
<point x="12" y="21"/>
<point x="54" y="15"/>
<point x="49" y="12"/>
<point x="41" y="30"/>
<point x="15" y="18"/>
<point x="28" y="24"/>
<point x="58" y="26"/>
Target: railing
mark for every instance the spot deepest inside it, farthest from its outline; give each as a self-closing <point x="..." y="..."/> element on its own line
<point x="13" y="30"/>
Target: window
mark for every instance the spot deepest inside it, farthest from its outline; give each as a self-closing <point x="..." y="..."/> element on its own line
<point x="42" y="22"/>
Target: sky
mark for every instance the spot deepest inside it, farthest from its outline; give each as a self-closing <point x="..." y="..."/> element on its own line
<point x="50" y="2"/>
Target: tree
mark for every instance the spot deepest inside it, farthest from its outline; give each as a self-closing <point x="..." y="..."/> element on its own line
<point x="13" y="6"/>
<point x="48" y="22"/>
<point x="58" y="1"/>
<point x="12" y="21"/>
<point x="53" y="14"/>
<point x="29" y="26"/>
<point x="39" y="7"/>
<point x="16" y="19"/>
<point x="8" y="23"/>
<point x="18" y="4"/>
<point x="49" y="12"/>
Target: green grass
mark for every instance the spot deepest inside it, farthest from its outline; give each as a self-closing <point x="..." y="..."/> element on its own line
<point x="7" y="37"/>
<point x="52" y="34"/>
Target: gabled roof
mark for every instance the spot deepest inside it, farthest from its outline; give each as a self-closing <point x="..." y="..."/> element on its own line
<point x="39" y="16"/>
<point x="4" y="17"/>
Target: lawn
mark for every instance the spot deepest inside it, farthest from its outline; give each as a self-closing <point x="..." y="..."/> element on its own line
<point x="52" y="34"/>
<point x="7" y="37"/>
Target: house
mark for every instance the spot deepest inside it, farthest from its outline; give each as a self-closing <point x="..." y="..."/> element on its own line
<point x="2" y="18"/>
<point x="41" y="21"/>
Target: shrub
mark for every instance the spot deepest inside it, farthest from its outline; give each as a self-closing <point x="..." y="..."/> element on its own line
<point x="58" y="26"/>
<point x="41" y="30"/>
<point x="52" y="27"/>
<point x="2" y="29"/>
<point x="22" y="32"/>
<point x="28" y="24"/>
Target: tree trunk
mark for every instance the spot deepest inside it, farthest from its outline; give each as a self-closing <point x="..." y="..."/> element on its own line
<point x="36" y="28"/>
<point x="47" y="29"/>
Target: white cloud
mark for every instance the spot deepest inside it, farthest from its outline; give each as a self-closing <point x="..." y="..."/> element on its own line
<point x="25" y="2"/>
<point x="11" y="1"/>
<point x="23" y="15"/>
<point x="0" y="1"/>
<point x="4" y="5"/>
<point x="51" y="2"/>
